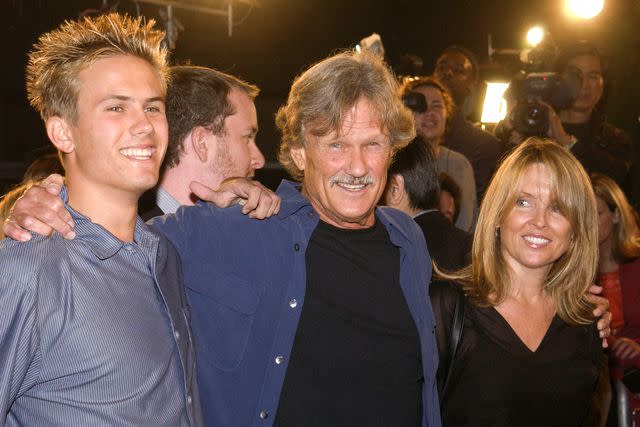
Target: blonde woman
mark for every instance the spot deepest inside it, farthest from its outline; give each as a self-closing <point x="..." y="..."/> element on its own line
<point x="529" y="352"/>
<point x="619" y="269"/>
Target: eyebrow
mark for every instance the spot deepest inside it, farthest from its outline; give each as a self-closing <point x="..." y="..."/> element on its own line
<point x="129" y="98"/>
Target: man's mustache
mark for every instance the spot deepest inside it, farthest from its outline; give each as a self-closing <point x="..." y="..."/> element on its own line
<point x="350" y="180"/>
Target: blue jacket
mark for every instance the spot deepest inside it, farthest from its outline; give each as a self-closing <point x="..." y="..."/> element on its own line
<point x="246" y="283"/>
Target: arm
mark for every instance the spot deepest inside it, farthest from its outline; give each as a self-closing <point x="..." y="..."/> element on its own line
<point x="18" y="341"/>
<point x="257" y="200"/>
<point x="41" y="211"/>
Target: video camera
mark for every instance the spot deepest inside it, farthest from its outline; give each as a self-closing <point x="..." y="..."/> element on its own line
<point x="415" y="101"/>
<point x="534" y="86"/>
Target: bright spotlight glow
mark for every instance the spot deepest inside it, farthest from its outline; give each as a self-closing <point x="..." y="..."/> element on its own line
<point x="584" y="9"/>
<point x="535" y="36"/>
<point x="494" y="107"/>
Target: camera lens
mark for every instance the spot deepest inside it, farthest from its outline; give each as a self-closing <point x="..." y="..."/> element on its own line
<point x="534" y="115"/>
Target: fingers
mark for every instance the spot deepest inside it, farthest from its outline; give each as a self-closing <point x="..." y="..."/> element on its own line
<point x="44" y="220"/>
<point x="625" y="348"/>
<point x="602" y="304"/>
<point x="53" y="184"/>
<point x="256" y="200"/>
<point x="516" y="138"/>
<point x="595" y="289"/>
<point x="261" y="202"/>
<point x="604" y="325"/>
<point x="205" y="193"/>
<point x="41" y="211"/>
<point x="11" y="229"/>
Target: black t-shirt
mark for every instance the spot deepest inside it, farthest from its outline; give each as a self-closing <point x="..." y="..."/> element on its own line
<point x="356" y="357"/>
<point x="498" y="381"/>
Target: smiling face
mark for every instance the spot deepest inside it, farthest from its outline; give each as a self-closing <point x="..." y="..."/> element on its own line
<point x="431" y="123"/>
<point x="534" y="234"/>
<point x="120" y="137"/>
<point x="345" y="172"/>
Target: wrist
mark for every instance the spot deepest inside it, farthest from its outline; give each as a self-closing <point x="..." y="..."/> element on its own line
<point x="567" y="140"/>
<point x="571" y="142"/>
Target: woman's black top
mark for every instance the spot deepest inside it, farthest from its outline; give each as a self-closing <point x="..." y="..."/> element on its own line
<point x="496" y="380"/>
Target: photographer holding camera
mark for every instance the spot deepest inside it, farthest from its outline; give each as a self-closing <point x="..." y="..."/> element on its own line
<point x="579" y="125"/>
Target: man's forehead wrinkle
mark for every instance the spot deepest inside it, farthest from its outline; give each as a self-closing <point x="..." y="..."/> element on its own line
<point x="352" y="120"/>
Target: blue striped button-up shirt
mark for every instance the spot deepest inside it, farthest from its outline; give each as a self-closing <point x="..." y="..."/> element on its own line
<point x="94" y="331"/>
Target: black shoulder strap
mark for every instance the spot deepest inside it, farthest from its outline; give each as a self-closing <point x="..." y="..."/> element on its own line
<point x="456" y="334"/>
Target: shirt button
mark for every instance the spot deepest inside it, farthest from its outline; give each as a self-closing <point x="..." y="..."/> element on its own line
<point x="264" y="414"/>
<point x="177" y="335"/>
<point x="296" y="247"/>
<point x="293" y="303"/>
<point x="310" y="214"/>
<point x="189" y="399"/>
<point x="279" y="360"/>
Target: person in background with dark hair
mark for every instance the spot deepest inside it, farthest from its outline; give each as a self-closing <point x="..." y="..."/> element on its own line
<point x="598" y="145"/>
<point x="212" y="136"/>
<point x="449" y="197"/>
<point x="457" y="68"/>
<point x="412" y="187"/>
<point x="432" y="108"/>
<point x="583" y="127"/>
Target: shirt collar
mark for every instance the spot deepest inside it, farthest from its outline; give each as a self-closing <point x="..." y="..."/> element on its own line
<point x="423" y="212"/>
<point x="166" y="202"/>
<point x="293" y="201"/>
<point x="292" y="198"/>
<point x="400" y="234"/>
<point x="100" y="241"/>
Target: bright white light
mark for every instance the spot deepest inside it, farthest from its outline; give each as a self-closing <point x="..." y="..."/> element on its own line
<point x="535" y="36"/>
<point x="584" y="9"/>
<point x="494" y="108"/>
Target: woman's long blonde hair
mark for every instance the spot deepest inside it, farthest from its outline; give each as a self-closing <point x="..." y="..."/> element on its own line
<point x="486" y="280"/>
<point x="627" y="234"/>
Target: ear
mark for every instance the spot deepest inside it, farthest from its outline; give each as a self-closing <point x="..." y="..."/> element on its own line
<point x="59" y="132"/>
<point x="616" y="216"/>
<point x="299" y="156"/>
<point x="395" y="190"/>
<point x="198" y="140"/>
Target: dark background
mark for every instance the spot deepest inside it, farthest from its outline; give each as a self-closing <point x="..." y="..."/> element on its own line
<point x="275" y="40"/>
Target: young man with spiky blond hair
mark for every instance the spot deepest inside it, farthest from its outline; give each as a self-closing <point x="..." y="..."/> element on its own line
<point x="94" y="331"/>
